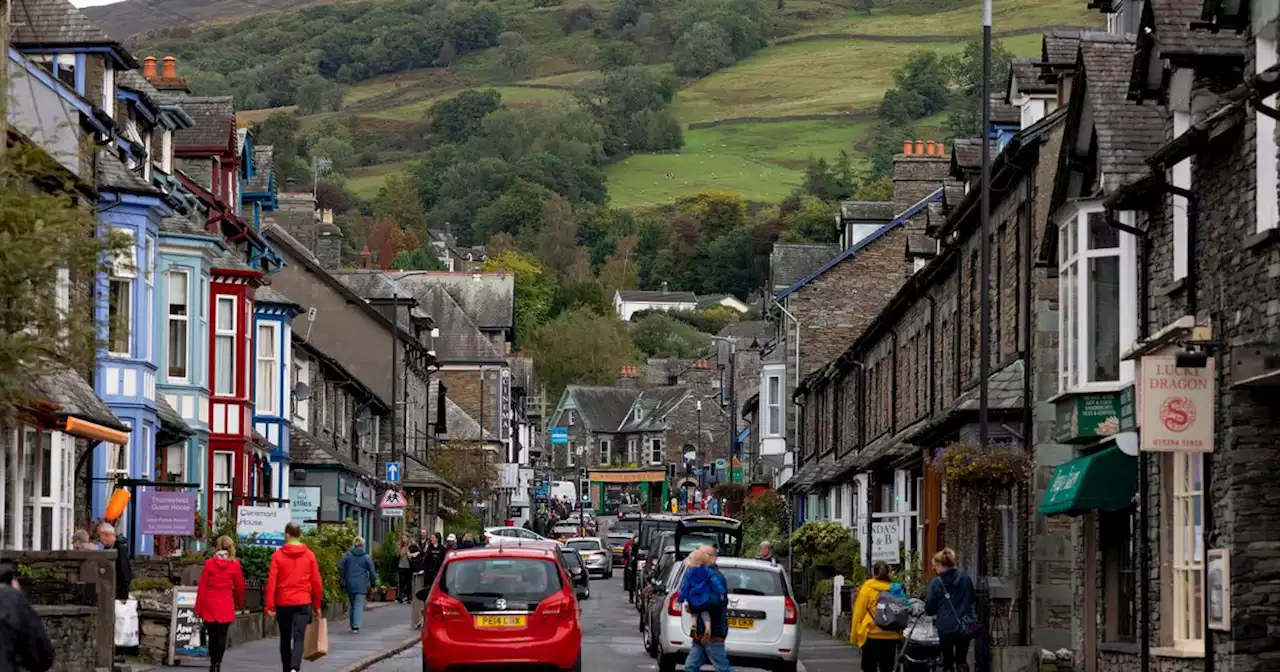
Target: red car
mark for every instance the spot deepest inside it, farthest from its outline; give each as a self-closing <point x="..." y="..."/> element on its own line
<point x="509" y="605"/>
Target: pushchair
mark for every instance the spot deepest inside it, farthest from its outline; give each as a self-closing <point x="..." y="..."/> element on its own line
<point x="922" y="650"/>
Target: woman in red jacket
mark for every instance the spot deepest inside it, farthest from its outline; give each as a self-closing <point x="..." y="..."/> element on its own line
<point x="220" y="592"/>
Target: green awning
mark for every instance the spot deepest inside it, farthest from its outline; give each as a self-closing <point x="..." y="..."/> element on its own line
<point x="1103" y="481"/>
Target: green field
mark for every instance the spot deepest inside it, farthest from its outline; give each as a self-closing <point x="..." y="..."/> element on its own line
<point x="512" y="96"/>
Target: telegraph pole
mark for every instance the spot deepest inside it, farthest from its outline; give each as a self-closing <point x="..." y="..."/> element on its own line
<point x="982" y="652"/>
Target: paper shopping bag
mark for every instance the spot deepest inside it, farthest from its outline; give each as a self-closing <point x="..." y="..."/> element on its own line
<point x="316" y="643"/>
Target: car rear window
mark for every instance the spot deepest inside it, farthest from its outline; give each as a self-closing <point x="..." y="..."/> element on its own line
<point x="583" y="544"/>
<point x="571" y="559"/>
<point x="565" y="529"/>
<point x="619" y="539"/>
<point x="513" y="579"/>
<point x="753" y="581"/>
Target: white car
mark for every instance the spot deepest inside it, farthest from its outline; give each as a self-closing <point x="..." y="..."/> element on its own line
<point x="764" y="629"/>
<point x="497" y="535"/>
<point x="595" y="554"/>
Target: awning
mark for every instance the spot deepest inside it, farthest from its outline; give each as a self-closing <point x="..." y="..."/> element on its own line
<point x="1103" y="481"/>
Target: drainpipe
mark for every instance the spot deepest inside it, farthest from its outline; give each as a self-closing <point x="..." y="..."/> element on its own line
<point x="893" y="385"/>
<point x="933" y="323"/>
<point x="1026" y="284"/>
<point x="795" y="424"/>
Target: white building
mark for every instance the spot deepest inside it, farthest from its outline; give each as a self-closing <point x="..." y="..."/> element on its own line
<point x="629" y="302"/>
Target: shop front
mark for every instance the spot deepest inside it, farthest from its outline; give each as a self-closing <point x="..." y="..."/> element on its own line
<point x="647" y="487"/>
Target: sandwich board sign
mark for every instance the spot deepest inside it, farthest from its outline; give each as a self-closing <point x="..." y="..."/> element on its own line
<point x="393" y="504"/>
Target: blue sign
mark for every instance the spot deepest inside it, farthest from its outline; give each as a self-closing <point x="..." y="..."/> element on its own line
<point x="393" y="472"/>
<point x="559" y="435"/>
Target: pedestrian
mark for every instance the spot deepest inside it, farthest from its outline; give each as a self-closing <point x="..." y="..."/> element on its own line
<point x="24" y="644"/>
<point x="124" y="568"/>
<point x="80" y="541"/>
<point x="710" y="613"/>
<point x="451" y="542"/>
<point x="404" y="569"/>
<point x="293" y="594"/>
<point x="219" y="593"/>
<point x="766" y="553"/>
<point x="433" y="559"/>
<point x="468" y="541"/>
<point x="879" y="647"/>
<point x="417" y="565"/>
<point x="356" y="575"/>
<point x="951" y="599"/>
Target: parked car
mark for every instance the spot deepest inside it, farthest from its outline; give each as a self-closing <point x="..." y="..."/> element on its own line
<point x="578" y="573"/>
<point x="724" y="533"/>
<point x="617" y="544"/>
<point x="501" y="606"/>
<point x="501" y="534"/>
<point x="650" y="593"/>
<point x="595" y="553"/>
<point x="563" y="531"/>
<point x="649" y="526"/>
<point x="629" y="511"/>
<point x="662" y="549"/>
<point x="763" y="618"/>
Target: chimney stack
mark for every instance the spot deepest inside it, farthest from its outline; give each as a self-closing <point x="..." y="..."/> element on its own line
<point x="167" y="79"/>
<point x="149" y="67"/>
<point x="628" y="377"/>
<point x="922" y="167"/>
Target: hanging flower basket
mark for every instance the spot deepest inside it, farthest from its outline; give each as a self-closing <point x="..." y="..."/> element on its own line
<point x="993" y="466"/>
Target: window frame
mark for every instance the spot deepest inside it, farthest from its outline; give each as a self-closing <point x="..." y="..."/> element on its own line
<point x="148" y="295"/>
<point x="171" y="318"/>
<point x="1121" y="566"/>
<point x="220" y="488"/>
<point x="606" y="452"/>
<point x="1267" y="210"/>
<point x="267" y="393"/>
<point x="633" y="450"/>
<point x="121" y="317"/>
<point x="655" y="450"/>
<point x="1184" y="566"/>
<point x="218" y="334"/>
<point x="773" y="405"/>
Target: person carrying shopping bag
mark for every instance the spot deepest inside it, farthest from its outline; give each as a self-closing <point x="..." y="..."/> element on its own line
<point x="218" y="594"/>
<point x="877" y="636"/>
<point x="951" y="599"/>
<point x="358" y="575"/>
<point x="293" y="594"/>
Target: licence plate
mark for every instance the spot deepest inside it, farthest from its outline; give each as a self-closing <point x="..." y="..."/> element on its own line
<point x="742" y="623"/>
<point x="500" y="621"/>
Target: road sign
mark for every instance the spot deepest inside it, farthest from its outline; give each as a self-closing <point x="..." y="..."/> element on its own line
<point x="393" y="513"/>
<point x="559" y="435"/>
<point x="393" y="472"/>
<point x="393" y="499"/>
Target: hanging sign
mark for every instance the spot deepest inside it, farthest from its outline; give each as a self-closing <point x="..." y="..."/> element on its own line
<point x="1177" y="406"/>
<point x="884" y="542"/>
<point x="186" y="630"/>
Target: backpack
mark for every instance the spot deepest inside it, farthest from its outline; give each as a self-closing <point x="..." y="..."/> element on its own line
<point x="702" y="593"/>
<point x="892" y="613"/>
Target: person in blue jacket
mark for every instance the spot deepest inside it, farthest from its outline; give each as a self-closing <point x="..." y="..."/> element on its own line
<point x="704" y="577"/>
<point x="357" y="575"/>
<point x="950" y="599"/>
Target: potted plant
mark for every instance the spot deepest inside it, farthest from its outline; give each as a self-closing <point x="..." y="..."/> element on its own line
<point x="389" y="593"/>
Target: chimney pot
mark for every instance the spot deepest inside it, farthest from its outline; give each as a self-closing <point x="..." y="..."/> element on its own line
<point x="906" y="147"/>
<point x="919" y="146"/>
<point x="170" y="68"/>
<point x="327" y="216"/>
<point x="149" y="67"/>
<point x="932" y="148"/>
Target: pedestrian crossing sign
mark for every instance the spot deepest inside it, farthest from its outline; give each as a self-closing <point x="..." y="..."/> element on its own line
<point x="393" y="499"/>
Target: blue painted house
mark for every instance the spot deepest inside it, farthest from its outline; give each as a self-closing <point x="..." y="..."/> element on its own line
<point x="272" y="389"/>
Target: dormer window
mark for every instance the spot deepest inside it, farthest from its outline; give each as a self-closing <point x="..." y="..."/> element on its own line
<point x="638" y="414"/>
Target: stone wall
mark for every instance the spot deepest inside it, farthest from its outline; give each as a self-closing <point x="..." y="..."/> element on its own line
<point x="475" y="392"/>
<point x="75" y="590"/>
<point x="69" y="629"/>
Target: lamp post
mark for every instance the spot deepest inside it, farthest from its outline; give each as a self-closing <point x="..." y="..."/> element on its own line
<point x="733" y="401"/>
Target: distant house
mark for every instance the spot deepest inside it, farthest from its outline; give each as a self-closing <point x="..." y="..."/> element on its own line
<point x="726" y="300"/>
<point x="630" y="302"/>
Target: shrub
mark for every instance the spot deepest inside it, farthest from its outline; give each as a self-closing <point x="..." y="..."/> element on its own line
<point x="139" y="585"/>
<point x="255" y="561"/>
<point x="826" y="548"/>
<point x="764" y="518"/>
<point x="386" y="560"/>
<point x="329" y="543"/>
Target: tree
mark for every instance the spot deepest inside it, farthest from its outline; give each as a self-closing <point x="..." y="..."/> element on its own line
<point x="398" y="202"/>
<point x="618" y="54"/>
<point x="280" y="130"/>
<point x="633" y="106"/>
<point x="557" y="245"/>
<point x="717" y="212"/>
<point x="515" y="55"/>
<point x="315" y="93"/>
<point x="587" y="295"/>
<point x="422" y="259"/>
<point x="702" y="50"/>
<point x="466" y="465"/>
<point x="813" y="222"/>
<point x="45" y="232"/>
<point x="535" y="290"/>
<point x="620" y="270"/>
<point x="829" y="181"/>
<point x="517" y="210"/>
<point x="878" y="189"/>
<point x="660" y="336"/>
<point x="726" y="266"/>
<point x="921" y="88"/>
<point x="580" y="347"/>
<point x="964" y="113"/>
<point x="458" y="118"/>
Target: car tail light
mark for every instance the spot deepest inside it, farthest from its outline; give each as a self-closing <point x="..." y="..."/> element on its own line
<point x="559" y="606"/>
<point x="445" y="607"/>
<point x="673" y="604"/>
<point x="789" y="611"/>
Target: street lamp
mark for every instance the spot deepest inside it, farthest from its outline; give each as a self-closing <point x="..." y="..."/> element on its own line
<point x="733" y="400"/>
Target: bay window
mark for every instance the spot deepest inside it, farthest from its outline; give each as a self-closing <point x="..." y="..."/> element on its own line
<point x="179" y="312"/>
<point x="224" y="347"/>
<point x="267" y="383"/>
<point x="223" y="470"/>
<point x="773" y="406"/>
<point x="1097" y="295"/>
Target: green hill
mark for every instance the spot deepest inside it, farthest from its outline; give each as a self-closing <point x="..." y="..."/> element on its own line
<point x="750" y="127"/>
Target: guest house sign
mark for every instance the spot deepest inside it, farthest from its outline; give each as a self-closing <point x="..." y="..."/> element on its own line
<point x="1176" y="405"/>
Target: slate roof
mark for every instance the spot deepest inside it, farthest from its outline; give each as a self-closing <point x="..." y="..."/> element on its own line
<point x="213" y="117"/>
<point x="921" y="246"/>
<point x="415" y="474"/>
<point x="1127" y="132"/>
<point x="73" y="395"/>
<point x="790" y="262"/>
<point x="1060" y="46"/>
<point x="134" y="81"/>
<point x="265" y="294"/>
<point x="659" y="296"/>
<point x="308" y="449"/>
<point x="183" y="225"/>
<point x="263" y="160"/>
<point x="170" y="419"/>
<point x="952" y="194"/>
<point x="708" y="300"/>
<point x="53" y="22"/>
<point x="1004" y="390"/>
<point x="1025" y="74"/>
<point x="460" y="426"/>
<point x="758" y="330"/>
<point x="112" y="174"/>
<point x="966" y="154"/>
<point x="460" y="339"/>
<point x="602" y="409"/>
<point x="228" y="260"/>
<point x="489" y="300"/>
<point x="1173" y="32"/>
<point x="1004" y="113"/>
<point x="655" y="403"/>
<point x="867" y="210"/>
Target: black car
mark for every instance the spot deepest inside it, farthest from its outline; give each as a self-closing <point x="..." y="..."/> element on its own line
<point x="662" y="550"/>
<point x="577" y="572"/>
<point x="650" y="526"/>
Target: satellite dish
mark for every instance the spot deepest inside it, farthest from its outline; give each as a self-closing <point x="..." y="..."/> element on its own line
<point x="302" y="392"/>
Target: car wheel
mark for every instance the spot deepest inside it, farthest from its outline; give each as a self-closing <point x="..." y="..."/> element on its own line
<point x="650" y="643"/>
<point x="787" y="667"/>
<point x="667" y="663"/>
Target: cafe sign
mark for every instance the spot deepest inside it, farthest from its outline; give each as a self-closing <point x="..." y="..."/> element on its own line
<point x="1176" y="405"/>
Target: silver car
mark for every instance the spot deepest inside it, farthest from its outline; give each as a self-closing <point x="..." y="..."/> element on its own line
<point x="764" y="626"/>
<point x="595" y="554"/>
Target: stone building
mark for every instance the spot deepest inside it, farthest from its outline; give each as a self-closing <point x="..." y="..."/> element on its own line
<point x="1174" y="567"/>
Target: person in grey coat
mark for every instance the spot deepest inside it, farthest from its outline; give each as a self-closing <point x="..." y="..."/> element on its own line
<point x="357" y="575"/>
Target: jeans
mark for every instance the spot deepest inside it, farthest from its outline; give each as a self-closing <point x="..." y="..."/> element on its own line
<point x="713" y="653"/>
<point x="955" y="649"/>
<point x="406" y="585"/>
<point x="293" y="622"/>
<point x="879" y="655"/>
<point x="356" y="615"/>
<point x="217" y="641"/>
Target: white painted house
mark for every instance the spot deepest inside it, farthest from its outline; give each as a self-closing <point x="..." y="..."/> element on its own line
<point x="629" y="302"/>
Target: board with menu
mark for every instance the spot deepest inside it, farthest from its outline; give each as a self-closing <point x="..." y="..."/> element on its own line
<point x="186" y="630"/>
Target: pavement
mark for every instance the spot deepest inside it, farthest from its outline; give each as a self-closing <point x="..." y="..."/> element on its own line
<point x="612" y="643"/>
<point x="385" y="632"/>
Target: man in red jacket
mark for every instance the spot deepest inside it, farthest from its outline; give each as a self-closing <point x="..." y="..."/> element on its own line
<point x="293" y="594"/>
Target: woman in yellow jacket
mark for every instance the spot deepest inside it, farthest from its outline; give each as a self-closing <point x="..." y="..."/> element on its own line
<point x="879" y="647"/>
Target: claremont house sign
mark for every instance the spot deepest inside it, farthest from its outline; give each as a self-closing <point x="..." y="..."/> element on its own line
<point x="1176" y="405"/>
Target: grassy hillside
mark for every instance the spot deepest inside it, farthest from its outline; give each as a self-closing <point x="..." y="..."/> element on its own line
<point x="750" y="128"/>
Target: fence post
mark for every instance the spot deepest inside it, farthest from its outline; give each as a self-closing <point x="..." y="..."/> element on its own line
<point x="837" y="585"/>
<point x="102" y="572"/>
